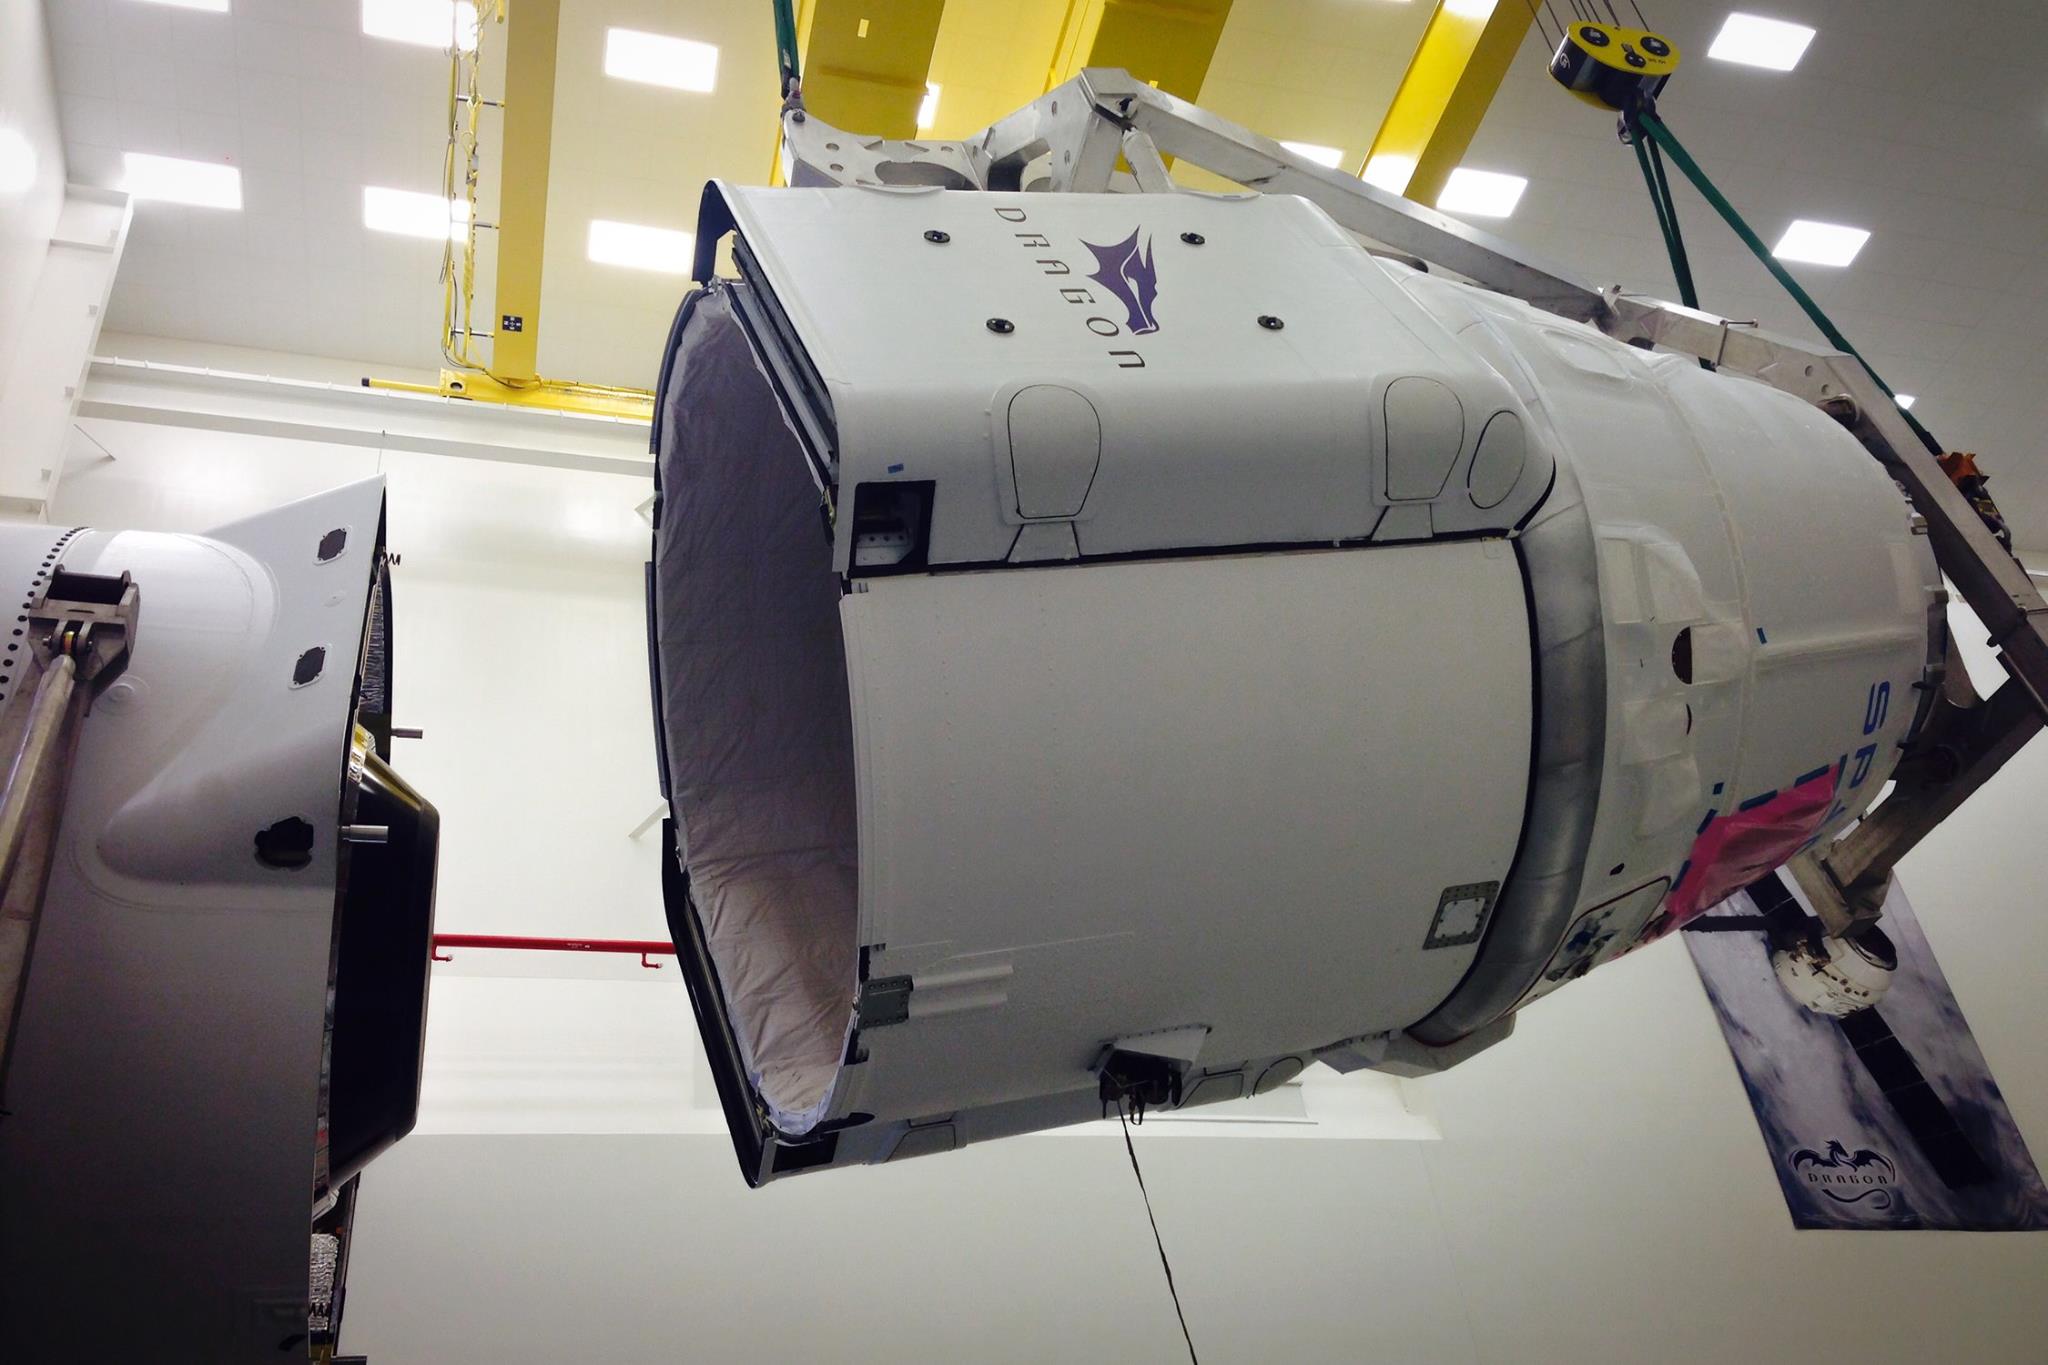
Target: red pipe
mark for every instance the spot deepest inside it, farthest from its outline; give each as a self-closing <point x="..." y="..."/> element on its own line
<point x="642" y="946"/>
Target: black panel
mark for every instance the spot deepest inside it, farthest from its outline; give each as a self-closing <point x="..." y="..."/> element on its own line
<point x="796" y="379"/>
<point x="654" y="674"/>
<point x="750" y="1137"/>
<point x="899" y="509"/>
<point x="804" y="1156"/>
<point x="384" y="944"/>
<point x="1935" y="1131"/>
<point x="373" y="670"/>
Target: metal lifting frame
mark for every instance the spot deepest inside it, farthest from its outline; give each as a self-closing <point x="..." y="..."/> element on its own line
<point x="80" y="628"/>
<point x="1070" y="141"/>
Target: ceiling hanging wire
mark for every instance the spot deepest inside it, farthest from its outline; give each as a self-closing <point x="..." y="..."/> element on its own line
<point x="1124" y="1118"/>
<point x="459" y="173"/>
<point x="461" y="170"/>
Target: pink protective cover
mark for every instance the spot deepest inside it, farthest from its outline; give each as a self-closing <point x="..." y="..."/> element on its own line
<point x="1737" y="848"/>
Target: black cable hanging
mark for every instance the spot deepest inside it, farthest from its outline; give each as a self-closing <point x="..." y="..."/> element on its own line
<point x="1164" y="1264"/>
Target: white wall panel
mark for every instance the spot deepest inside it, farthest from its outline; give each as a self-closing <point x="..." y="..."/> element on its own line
<point x="28" y="211"/>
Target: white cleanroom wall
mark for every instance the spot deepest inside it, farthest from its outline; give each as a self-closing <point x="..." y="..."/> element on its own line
<point x="1599" y="1192"/>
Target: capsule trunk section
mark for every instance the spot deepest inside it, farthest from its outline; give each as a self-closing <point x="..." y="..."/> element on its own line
<point x="1155" y="622"/>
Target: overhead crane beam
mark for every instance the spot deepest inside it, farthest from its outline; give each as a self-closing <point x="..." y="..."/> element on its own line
<point x="531" y="34"/>
<point x="1166" y="44"/>
<point x="865" y="65"/>
<point x="1450" y="82"/>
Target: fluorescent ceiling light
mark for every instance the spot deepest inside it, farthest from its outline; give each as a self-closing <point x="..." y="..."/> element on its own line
<point x="1316" y="152"/>
<point x="1820" y="243"/>
<point x="428" y="23"/>
<point x="214" y="6"/>
<point x="174" y="180"/>
<point x="1390" y="171"/>
<point x="1482" y="194"/>
<point x="640" y="248"/>
<point x="17" y="161"/>
<point x="1756" y="41"/>
<point x="660" y="60"/>
<point x="412" y="214"/>
<point x="1471" y="9"/>
<point x="1904" y="400"/>
<point x="928" y="109"/>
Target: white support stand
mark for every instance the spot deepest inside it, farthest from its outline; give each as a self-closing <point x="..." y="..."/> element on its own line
<point x="39" y="394"/>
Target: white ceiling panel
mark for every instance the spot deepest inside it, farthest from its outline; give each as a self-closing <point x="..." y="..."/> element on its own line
<point x="1931" y="134"/>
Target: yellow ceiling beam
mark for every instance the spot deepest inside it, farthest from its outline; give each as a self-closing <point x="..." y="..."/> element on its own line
<point x="1167" y="44"/>
<point x="864" y="65"/>
<point x="1456" y="70"/>
<point x="531" y="30"/>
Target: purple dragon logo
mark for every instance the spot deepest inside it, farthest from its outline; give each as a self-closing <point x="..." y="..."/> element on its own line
<point x="1126" y="270"/>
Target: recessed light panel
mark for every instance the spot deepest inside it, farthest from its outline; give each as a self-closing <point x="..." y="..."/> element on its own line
<point x="1820" y="243"/>
<point x="640" y="248"/>
<point x="657" y="59"/>
<point x="1481" y="194"/>
<point x="174" y="180"/>
<point x="1756" y="41"/>
<point x="1316" y="152"/>
<point x="408" y="213"/>
<point x="425" y="23"/>
<point x="1390" y="171"/>
<point x="211" y="6"/>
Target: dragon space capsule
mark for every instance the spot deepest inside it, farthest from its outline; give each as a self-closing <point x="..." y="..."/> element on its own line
<point x="1153" y="628"/>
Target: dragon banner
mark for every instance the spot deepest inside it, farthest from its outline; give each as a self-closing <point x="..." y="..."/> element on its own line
<point x="1886" y="1117"/>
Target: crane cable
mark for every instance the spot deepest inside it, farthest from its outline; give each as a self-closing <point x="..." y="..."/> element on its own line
<point x="1641" y="120"/>
<point x="787" y="75"/>
<point x="1124" y="1117"/>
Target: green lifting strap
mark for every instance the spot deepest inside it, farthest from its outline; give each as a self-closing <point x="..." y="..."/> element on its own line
<point x="785" y="45"/>
<point x="1654" y="126"/>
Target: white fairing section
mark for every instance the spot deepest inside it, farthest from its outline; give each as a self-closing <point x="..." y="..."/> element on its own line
<point x="1751" y="523"/>
<point x="1222" y="793"/>
<point x="1358" y="416"/>
<point x="1303" y="653"/>
<point x="159" y="1152"/>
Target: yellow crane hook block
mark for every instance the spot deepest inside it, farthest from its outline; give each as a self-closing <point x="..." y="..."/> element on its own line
<point x="1606" y="65"/>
